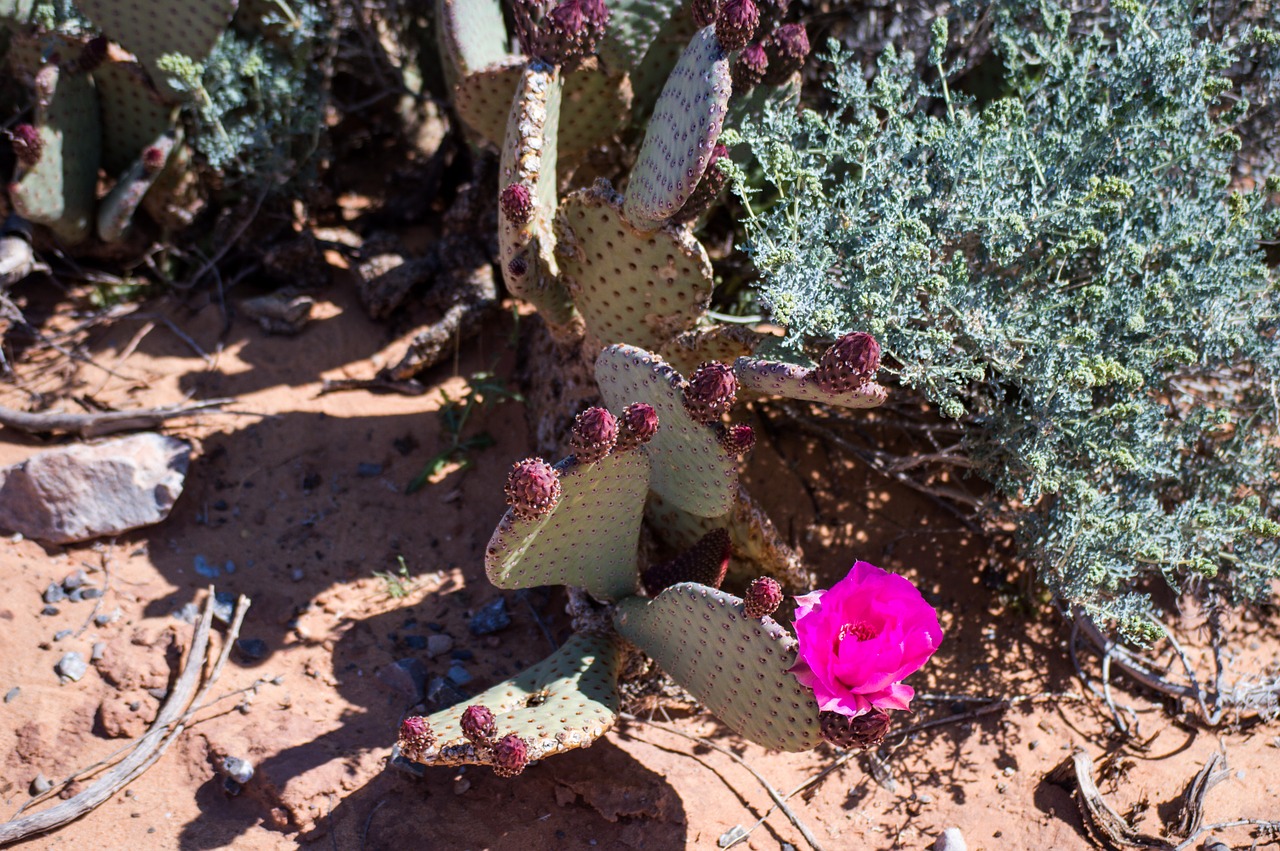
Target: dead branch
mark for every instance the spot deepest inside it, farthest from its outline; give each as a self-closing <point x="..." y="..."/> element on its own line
<point x="101" y="422"/>
<point x="1191" y="808"/>
<point x="1106" y="827"/>
<point x="146" y="749"/>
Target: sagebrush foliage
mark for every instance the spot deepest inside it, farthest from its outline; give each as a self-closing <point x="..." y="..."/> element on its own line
<point x="1068" y="270"/>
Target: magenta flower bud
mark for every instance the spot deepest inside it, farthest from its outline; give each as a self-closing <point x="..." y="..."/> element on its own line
<point x="510" y="756"/>
<point x="736" y="24"/>
<point x="711" y="391"/>
<point x="478" y="725"/>
<point x="861" y="731"/>
<point x="787" y="49"/>
<point x="738" y="439"/>
<point x="749" y="68"/>
<point x="849" y="364"/>
<point x="533" y="488"/>
<point x="27" y="144"/>
<point x="516" y="202"/>
<point x="153" y="160"/>
<point x="638" y="425"/>
<point x="595" y="431"/>
<point x="763" y="597"/>
<point x="416" y="737"/>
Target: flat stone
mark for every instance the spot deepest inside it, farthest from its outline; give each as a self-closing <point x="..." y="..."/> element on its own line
<point x="492" y="618"/>
<point x="99" y="650"/>
<point x="951" y="840"/>
<point x="405" y="677"/>
<point x="50" y="610"/>
<point x="54" y="593"/>
<point x="251" y="649"/>
<point x="85" y="491"/>
<point x="75" y="580"/>
<point x="12" y="694"/>
<point x="438" y="645"/>
<point x="72" y="666"/>
<point x="41" y="784"/>
<point x="459" y="675"/>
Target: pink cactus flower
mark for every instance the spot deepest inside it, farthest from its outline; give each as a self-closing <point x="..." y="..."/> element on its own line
<point x="861" y="638"/>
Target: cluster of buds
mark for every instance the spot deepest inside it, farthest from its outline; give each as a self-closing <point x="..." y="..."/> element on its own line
<point x="509" y="754"/>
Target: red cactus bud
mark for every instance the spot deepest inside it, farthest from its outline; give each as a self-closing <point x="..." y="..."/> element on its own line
<point x="849" y="364"/>
<point x="737" y="439"/>
<point x="571" y="30"/>
<point x="708" y="188"/>
<point x="153" y="159"/>
<point x="416" y="737"/>
<point x="736" y="24"/>
<point x="639" y="425"/>
<point x="27" y="144"/>
<point x="510" y="756"/>
<point x="763" y="597"/>
<point x="518" y="266"/>
<point x="478" y="725"/>
<point x="706" y="562"/>
<point x="516" y="202"/>
<point x="861" y="731"/>
<point x="533" y="488"/>
<point x="705" y="12"/>
<point x="93" y="54"/>
<point x="787" y="48"/>
<point x="710" y="392"/>
<point x="595" y="431"/>
<point x="749" y="68"/>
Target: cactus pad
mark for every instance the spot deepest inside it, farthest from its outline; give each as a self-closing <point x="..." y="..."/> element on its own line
<point x="152" y="29"/>
<point x="690" y="470"/>
<point x="662" y="54"/>
<point x="473" y="34"/>
<point x="634" y="25"/>
<point x="736" y="666"/>
<point x="59" y="189"/>
<point x="134" y="115"/>
<point x="604" y="502"/>
<point x="483" y="97"/>
<point x="566" y="701"/>
<point x="725" y="343"/>
<point x="115" y="212"/>
<point x="630" y="287"/>
<point x="681" y="134"/>
<point x="771" y="378"/>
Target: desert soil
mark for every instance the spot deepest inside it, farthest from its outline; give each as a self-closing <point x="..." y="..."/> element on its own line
<point x="305" y="494"/>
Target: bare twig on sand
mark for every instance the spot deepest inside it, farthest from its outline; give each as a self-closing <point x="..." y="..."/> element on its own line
<point x="149" y="747"/>
<point x="1106" y="827"/>
<point x="101" y="422"/>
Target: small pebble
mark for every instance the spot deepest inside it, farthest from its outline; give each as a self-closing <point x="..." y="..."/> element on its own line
<point x="74" y="581"/>
<point x="251" y="649"/>
<point x="463" y="655"/>
<point x="90" y="593"/>
<point x="72" y="666"/>
<point x="50" y="610"/>
<point x="297" y="574"/>
<point x="951" y="840"/>
<point x="12" y="694"/>
<point x="439" y="644"/>
<point x="925" y="798"/>
<point x="61" y="634"/>
<point x="41" y="784"/>
<point x="158" y="693"/>
<point x="1010" y="771"/>
<point x="54" y="593"/>
<point x="224" y="603"/>
<point x="205" y="569"/>
<point x="461" y="785"/>
<point x="99" y="650"/>
<point x="492" y="618"/>
<point x="237" y="769"/>
<point x="459" y="675"/>
<point x="76" y="595"/>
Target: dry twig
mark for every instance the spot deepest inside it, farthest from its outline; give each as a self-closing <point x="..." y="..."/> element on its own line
<point x="101" y="422"/>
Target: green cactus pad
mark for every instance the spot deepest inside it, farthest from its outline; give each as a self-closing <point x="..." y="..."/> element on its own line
<point x="473" y="34"/>
<point x="634" y="25"/>
<point x="757" y="548"/>
<point x="650" y="75"/>
<point x="134" y="115"/>
<point x="58" y="191"/>
<point x="723" y="343"/>
<point x="770" y="378"/>
<point x="602" y="502"/>
<point x="115" y="212"/>
<point x="736" y="666"/>
<point x="681" y="134"/>
<point x="483" y="98"/>
<point x="153" y="29"/>
<point x="529" y="158"/>
<point x="690" y="470"/>
<point x="629" y="286"/>
<point x="566" y="701"/>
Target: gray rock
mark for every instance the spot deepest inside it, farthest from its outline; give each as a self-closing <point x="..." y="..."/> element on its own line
<point x="438" y="645"/>
<point x="41" y="784"/>
<point x="50" y="610"/>
<point x="61" y="634"/>
<point x="74" y="581"/>
<point x="224" y="606"/>
<point x="72" y="666"/>
<point x="12" y="694"/>
<point x="459" y="675"/>
<point x="251" y="649"/>
<point x="54" y="593"/>
<point x="406" y="677"/>
<point x="80" y="492"/>
<point x="99" y="650"/>
<point x="951" y="840"/>
<point x="492" y="618"/>
<point x="237" y="769"/>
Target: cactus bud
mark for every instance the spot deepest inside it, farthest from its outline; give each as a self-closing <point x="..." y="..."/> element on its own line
<point x="416" y="737"/>
<point x="749" y="68"/>
<point x="153" y="159"/>
<point x="516" y="202"/>
<point x="763" y="597"/>
<point x="478" y="725"/>
<point x="706" y="562"/>
<point x="533" y="488"/>
<point x="518" y="266"/>
<point x="787" y="49"/>
<point x="861" y="731"/>
<point x="849" y="364"/>
<point x="639" y="425"/>
<point x="93" y="54"/>
<point x="510" y="756"/>
<point x="595" y="431"/>
<point x="27" y="144"/>
<point x="705" y="12"/>
<point x="737" y="439"/>
<point x="710" y="392"/>
<point x="736" y="24"/>
<point x="702" y="196"/>
<point x="571" y="30"/>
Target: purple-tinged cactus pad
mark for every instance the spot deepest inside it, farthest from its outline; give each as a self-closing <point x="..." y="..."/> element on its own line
<point x="657" y="57"/>
<point x="771" y="378"/>
<point x="590" y="540"/>
<point x="681" y="134"/>
<point x="566" y="701"/>
<point x="483" y="97"/>
<point x="704" y="563"/>
<point x="690" y="470"/>
<point x="115" y="211"/>
<point x="739" y="668"/>
<point x="473" y="35"/>
<point x="633" y="27"/>
<point x="639" y="288"/>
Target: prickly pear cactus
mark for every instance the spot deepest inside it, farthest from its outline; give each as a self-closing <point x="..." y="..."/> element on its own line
<point x="601" y="502"/>
<point x="681" y="134"/>
<point x="738" y="667"/>
<point x="690" y="469"/>
<point x="116" y="210"/>
<point x="134" y="115"/>
<point x="566" y="701"/>
<point x="473" y="34"/>
<point x="690" y="349"/>
<point x="630" y="287"/>
<point x="770" y="378"/>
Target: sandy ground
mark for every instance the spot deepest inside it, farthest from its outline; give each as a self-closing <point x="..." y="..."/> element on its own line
<point x="304" y="493"/>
